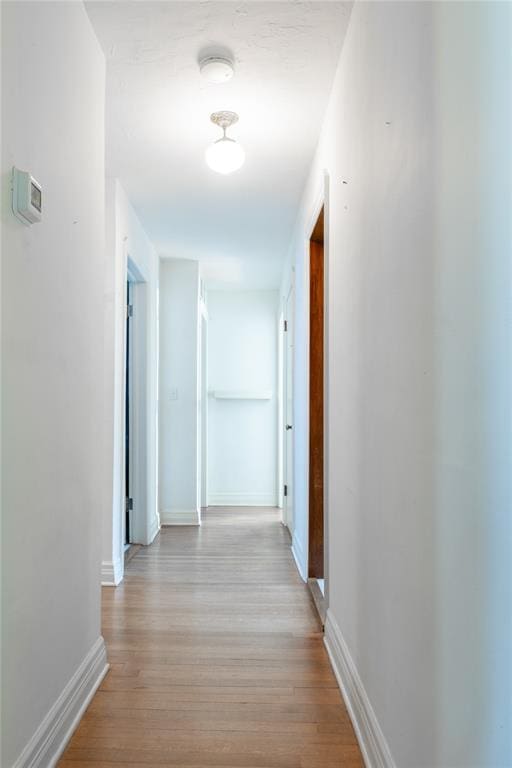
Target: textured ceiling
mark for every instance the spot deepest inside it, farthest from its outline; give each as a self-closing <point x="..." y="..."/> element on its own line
<point x="158" y="126"/>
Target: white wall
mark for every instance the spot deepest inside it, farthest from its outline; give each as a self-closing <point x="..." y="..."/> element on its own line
<point x="179" y="350"/>
<point x="242" y="434"/>
<point x="420" y="381"/>
<point x="53" y="437"/>
<point x="127" y="240"/>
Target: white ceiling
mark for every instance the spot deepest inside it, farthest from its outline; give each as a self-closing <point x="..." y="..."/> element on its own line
<point x="158" y="126"/>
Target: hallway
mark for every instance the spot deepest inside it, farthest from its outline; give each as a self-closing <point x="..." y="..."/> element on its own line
<point x="256" y="268"/>
<point x="216" y="657"/>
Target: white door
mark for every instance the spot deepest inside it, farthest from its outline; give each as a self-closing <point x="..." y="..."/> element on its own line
<point x="203" y="412"/>
<point x="288" y="413"/>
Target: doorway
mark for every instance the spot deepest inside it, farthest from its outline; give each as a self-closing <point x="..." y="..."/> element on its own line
<point x="316" y="403"/>
<point x="288" y="343"/>
<point x="128" y="495"/>
<point x="136" y="415"/>
<point x="203" y="407"/>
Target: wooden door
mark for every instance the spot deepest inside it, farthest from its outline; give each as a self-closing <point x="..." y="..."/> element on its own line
<point x="316" y="404"/>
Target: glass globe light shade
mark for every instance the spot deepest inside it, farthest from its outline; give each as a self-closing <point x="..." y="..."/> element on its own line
<point x="225" y="156"/>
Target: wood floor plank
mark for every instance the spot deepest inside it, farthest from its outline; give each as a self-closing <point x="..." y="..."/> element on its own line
<point x="217" y="658"/>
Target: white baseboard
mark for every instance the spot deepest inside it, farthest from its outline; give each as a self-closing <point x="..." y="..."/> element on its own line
<point x="49" y="741"/>
<point x="180" y="517"/>
<point x="374" y="747"/>
<point x="242" y="500"/>
<point x="154" y="527"/>
<point x="299" y="557"/>
<point x="112" y="573"/>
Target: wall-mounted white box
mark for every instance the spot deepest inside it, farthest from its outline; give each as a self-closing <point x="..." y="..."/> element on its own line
<point x="27" y="197"/>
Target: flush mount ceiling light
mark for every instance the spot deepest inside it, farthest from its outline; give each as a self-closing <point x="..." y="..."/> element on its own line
<point x="216" y="69"/>
<point x="225" y="155"/>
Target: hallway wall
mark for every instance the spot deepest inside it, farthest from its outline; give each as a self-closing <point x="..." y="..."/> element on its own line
<point x="417" y="146"/>
<point x="127" y="239"/>
<point x="53" y="435"/>
<point x="242" y="433"/>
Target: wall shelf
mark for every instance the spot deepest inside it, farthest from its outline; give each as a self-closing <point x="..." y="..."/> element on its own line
<point x="231" y="394"/>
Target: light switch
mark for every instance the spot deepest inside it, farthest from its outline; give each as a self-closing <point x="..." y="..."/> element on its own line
<point x="173" y="394"/>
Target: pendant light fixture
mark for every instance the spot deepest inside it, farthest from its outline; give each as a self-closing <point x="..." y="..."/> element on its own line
<point x="225" y="155"/>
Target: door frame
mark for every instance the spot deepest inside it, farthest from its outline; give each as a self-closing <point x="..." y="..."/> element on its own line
<point x="137" y="436"/>
<point x="127" y="524"/>
<point x="321" y="200"/>
<point x="287" y="316"/>
<point x="316" y="408"/>
<point x="203" y="401"/>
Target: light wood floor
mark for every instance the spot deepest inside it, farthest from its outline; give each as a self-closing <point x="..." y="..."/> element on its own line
<point x="216" y="658"/>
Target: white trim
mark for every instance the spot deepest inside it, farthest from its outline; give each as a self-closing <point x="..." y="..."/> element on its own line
<point x="49" y="741"/>
<point x="180" y="517"/>
<point x="154" y="527"/>
<point x="242" y="499"/>
<point x="374" y="747"/>
<point x="328" y="356"/>
<point x="239" y="394"/>
<point x="139" y="414"/>
<point x="202" y="388"/>
<point x="288" y="443"/>
<point x="298" y="555"/>
<point x="112" y="573"/>
<point x="280" y="406"/>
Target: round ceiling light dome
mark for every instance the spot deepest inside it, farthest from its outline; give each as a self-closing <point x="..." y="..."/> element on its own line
<point x="216" y="69"/>
<point x="225" y="155"/>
